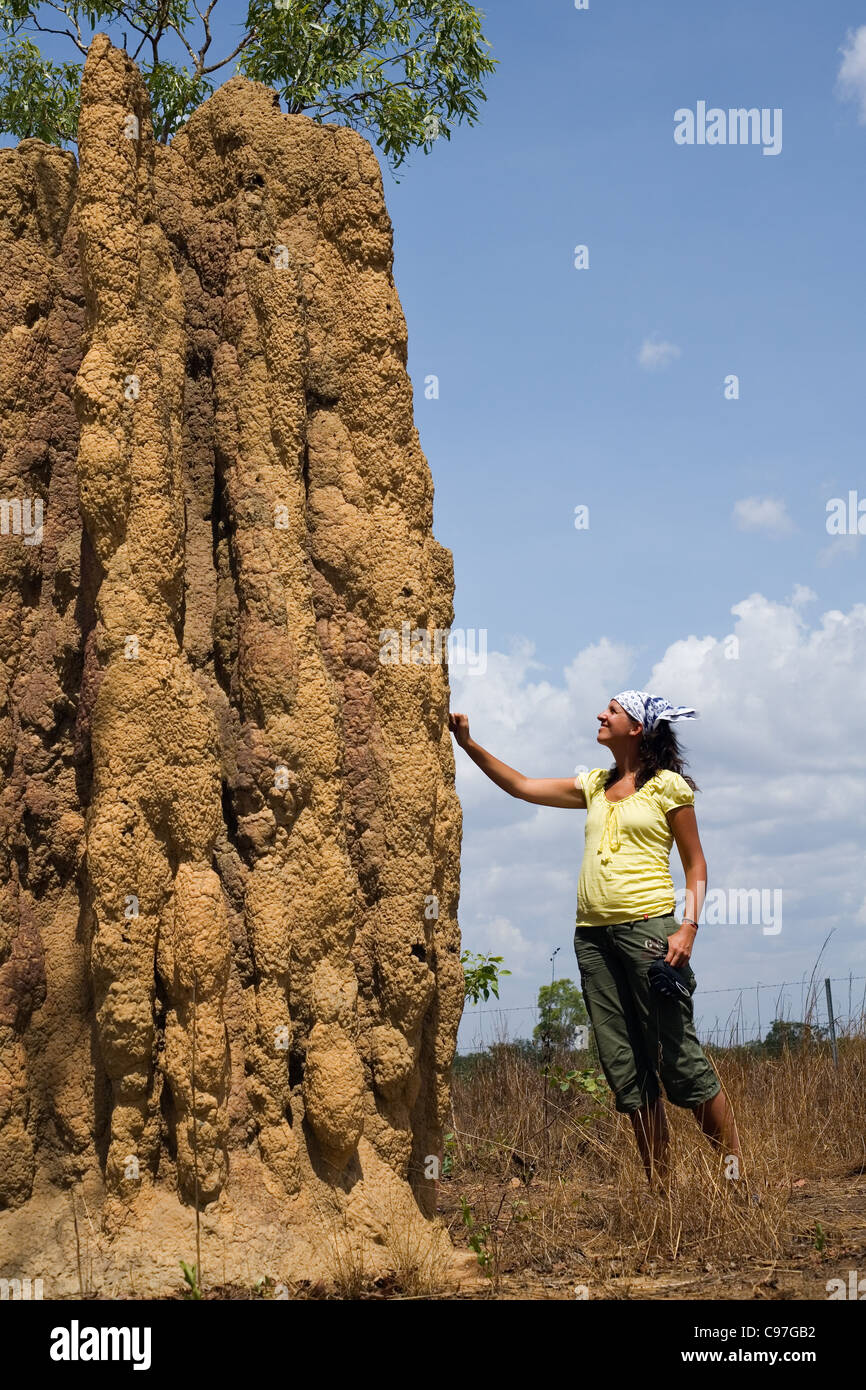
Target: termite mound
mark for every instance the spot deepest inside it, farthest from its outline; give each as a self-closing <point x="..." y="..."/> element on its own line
<point x="230" y="971"/>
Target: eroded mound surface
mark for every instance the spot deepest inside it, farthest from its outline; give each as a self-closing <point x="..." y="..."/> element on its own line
<point x="229" y="836"/>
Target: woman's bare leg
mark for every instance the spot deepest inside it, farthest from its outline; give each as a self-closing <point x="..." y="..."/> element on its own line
<point x="716" y="1119"/>
<point x="651" y="1132"/>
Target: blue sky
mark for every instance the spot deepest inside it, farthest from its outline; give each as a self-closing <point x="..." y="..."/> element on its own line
<point x="707" y="516"/>
<point x="749" y="264"/>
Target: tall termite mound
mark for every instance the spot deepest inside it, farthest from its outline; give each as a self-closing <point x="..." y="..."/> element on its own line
<point x="229" y="957"/>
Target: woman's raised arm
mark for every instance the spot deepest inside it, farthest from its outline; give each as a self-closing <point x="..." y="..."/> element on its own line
<point x="541" y="791"/>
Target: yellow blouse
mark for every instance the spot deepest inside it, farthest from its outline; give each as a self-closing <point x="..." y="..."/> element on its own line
<point x="626" y="859"/>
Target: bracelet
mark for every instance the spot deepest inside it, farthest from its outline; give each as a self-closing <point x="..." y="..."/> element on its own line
<point x="690" y="921"/>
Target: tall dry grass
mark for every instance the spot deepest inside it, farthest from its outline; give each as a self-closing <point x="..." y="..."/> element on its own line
<point x="582" y="1198"/>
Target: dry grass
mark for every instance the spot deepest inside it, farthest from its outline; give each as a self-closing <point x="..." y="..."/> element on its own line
<point x="417" y="1255"/>
<point x="346" y="1264"/>
<point x="555" y="1183"/>
<point x="420" y="1255"/>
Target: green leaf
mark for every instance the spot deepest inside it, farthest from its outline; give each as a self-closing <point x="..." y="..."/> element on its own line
<point x="38" y="98"/>
<point x="383" y="69"/>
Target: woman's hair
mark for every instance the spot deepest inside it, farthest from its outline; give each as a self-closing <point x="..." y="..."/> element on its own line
<point x="659" y="751"/>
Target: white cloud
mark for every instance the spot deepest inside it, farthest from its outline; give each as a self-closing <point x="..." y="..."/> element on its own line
<point x="802" y="594"/>
<point x="851" y="80"/>
<point x="763" y="514"/>
<point x="838" y="548"/>
<point x="500" y="937"/>
<point x="654" y="355"/>
<point x="770" y="711"/>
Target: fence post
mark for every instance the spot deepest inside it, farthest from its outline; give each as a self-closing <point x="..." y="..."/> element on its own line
<point x="832" y="1023"/>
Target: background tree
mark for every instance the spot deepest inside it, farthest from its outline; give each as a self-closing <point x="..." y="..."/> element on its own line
<point x="786" y="1034"/>
<point x="403" y="72"/>
<point x="562" y="1010"/>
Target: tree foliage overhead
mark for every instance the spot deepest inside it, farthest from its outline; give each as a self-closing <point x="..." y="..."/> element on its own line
<point x="403" y="72"/>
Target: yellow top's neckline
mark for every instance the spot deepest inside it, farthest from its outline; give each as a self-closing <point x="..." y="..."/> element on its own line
<point x="619" y="799"/>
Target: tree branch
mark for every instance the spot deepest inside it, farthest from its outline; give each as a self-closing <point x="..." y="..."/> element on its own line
<point x="205" y="19"/>
<point x="336" y="110"/>
<point x="61" y="9"/>
<point x="356" y="52"/>
<point x="138" y="29"/>
<point x="214" y="67"/>
<point x="159" y="19"/>
<point x="191" y="51"/>
<point x="64" y="33"/>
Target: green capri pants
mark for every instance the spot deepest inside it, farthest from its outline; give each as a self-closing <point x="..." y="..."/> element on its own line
<point x="641" y="1035"/>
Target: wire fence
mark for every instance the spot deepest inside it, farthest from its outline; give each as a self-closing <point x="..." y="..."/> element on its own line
<point x="748" y="1019"/>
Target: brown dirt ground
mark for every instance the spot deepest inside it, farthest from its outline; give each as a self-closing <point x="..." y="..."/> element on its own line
<point x="836" y="1204"/>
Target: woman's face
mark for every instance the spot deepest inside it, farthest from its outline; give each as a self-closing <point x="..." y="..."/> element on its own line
<point x="614" y="723"/>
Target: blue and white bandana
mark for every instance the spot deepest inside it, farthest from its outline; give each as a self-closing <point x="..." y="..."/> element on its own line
<point x="650" y="709"/>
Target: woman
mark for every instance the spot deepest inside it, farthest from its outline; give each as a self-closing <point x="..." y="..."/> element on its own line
<point x="625" y="917"/>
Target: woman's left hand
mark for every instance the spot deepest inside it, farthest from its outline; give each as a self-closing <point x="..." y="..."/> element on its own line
<point x="680" y="945"/>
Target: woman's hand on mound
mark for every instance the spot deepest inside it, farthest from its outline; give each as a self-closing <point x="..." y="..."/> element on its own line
<point x="459" y="726"/>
